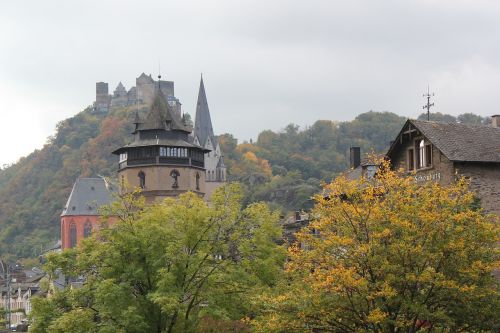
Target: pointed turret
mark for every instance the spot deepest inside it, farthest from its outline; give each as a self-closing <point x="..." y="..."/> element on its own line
<point x="160" y="116"/>
<point x="203" y="123"/>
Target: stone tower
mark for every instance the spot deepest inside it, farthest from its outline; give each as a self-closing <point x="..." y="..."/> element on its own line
<point x="161" y="160"/>
<point x="102" y="97"/>
<point x="204" y="136"/>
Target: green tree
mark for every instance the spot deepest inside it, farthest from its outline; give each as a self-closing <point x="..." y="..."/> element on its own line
<point x="389" y="255"/>
<point x="166" y="267"/>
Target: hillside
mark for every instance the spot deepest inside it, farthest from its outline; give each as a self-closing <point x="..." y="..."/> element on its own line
<point x="283" y="168"/>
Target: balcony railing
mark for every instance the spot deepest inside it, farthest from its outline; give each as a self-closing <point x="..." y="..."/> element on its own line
<point x="162" y="161"/>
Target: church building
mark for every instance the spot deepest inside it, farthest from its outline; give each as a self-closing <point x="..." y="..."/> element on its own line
<point x="216" y="173"/>
<point x="81" y="214"/>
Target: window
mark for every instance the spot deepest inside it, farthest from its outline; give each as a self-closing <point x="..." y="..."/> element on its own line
<point x="197" y="181"/>
<point x="428" y="155"/>
<point x="421" y="154"/>
<point x="72" y="234"/>
<point x="175" y="175"/>
<point x="163" y="151"/>
<point x="122" y="181"/>
<point x="142" y="179"/>
<point x="87" y="229"/>
<point x="424" y="157"/>
<point x="123" y="157"/>
<point x="411" y="159"/>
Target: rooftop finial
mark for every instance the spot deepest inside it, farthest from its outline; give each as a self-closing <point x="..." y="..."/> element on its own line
<point x="159" y="74"/>
<point x="429" y="104"/>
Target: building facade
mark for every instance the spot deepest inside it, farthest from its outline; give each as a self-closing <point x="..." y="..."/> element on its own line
<point x="443" y="152"/>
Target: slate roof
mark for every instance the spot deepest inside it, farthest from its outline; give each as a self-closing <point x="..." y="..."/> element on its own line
<point x="461" y="142"/>
<point x="203" y="123"/>
<point x="87" y="195"/>
<point x="160" y="113"/>
<point x="160" y="142"/>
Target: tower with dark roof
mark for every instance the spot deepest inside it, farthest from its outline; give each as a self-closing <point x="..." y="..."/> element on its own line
<point x="204" y="136"/>
<point x="161" y="159"/>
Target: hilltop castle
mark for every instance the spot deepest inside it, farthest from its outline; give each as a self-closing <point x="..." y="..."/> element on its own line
<point x="142" y="93"/>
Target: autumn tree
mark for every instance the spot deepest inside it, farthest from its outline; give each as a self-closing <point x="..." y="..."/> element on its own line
<point x="389" y="255"/>
<point x="177" y="266"/>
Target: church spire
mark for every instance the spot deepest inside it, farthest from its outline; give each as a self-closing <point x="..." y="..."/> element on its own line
<point x="203" y="123"/>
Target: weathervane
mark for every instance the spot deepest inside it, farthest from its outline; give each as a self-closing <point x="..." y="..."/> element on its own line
<point x="429" y="104"/>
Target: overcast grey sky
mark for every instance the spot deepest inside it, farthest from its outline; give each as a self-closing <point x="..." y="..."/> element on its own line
<point x="265" y="63"/>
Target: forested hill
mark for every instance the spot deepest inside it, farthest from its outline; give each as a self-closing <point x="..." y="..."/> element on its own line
<point x="283" y="168"/>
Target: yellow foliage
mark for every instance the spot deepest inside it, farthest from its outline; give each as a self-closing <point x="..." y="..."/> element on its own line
<point x="387" y="253"/>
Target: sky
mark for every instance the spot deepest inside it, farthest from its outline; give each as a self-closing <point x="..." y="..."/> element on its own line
<point x="265" y="63"/>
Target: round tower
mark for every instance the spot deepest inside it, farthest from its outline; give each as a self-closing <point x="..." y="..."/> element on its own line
<point x="162" y="160"/>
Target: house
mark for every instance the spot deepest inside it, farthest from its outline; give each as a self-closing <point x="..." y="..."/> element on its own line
<point x="443" y="152"/>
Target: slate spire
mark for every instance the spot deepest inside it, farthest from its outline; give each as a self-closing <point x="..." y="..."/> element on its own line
<point x="160" y="116"/>
<point x="203" y="124"/>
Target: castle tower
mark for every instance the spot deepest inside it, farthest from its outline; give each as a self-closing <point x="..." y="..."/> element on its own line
<point x="102" y="98"/>
<point x="161" y="160"/>
<point x="204" y="136"/>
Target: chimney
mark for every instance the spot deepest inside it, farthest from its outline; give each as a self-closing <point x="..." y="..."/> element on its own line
<point x="355" y="157"/>
<point x="495" y="120"/>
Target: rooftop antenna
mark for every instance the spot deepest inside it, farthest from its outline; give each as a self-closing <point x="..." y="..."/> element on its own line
<point x="429" y="104"/>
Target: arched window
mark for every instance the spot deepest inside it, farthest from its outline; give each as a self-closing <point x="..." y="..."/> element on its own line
<point x="175" y="175"/>
<point x="87" y="229"/>
<point x="197" y="181"/>
<point x="142" y="179"/>
<point x="72" y="234"/>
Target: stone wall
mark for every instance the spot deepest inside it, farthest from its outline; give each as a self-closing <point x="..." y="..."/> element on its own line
<point x="485" y="181"/>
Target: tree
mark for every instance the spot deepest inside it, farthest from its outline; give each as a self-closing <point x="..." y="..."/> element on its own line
<point x="166" y="267"/>
<point x="389" y="255"/>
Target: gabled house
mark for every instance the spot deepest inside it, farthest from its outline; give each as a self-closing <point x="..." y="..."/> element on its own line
<point x="443" y="152"/>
